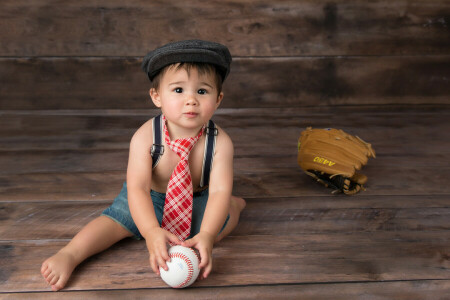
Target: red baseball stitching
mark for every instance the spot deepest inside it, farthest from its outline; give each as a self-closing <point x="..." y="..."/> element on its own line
<point x="188" y="263"/>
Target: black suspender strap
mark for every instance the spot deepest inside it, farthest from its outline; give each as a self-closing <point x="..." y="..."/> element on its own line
<point x="210" y="144"/>
<point x="157" y="148"/>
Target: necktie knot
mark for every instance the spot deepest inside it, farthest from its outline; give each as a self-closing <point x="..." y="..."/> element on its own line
<point x="182" y="147"/>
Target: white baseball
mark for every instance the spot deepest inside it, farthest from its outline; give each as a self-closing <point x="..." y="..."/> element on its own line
<point x="183" y="267"/>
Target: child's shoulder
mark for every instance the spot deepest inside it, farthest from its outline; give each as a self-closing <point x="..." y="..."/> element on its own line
<point x="144" y="135"/>
<point x="223" y="139"/>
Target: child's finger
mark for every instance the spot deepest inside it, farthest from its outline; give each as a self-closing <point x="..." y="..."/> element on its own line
<point x="164" y="254"/>
<point x="200" y="275"/>
<point x="204" y="258"/>
<point x="188" y="243"/>
<point x="162" y="261"/>
<point x="207" y="270"/>
<point x="174" y="240"/>
<point x="154" y="265"/>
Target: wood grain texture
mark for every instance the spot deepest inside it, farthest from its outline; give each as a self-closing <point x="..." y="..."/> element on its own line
<point x="95" y="161"/>
<point x="272" y="183"/>
<point x="339" y="257"/>
<point x="249" y="28"/>
<point x="393" y="235"/>
<point x="72" y="94"/>
<point x="76" y="157"/>
<point x="111" y="130"/>
<point x="119" y="83"/>
<point x="263" y="216"/>
<point x="407" y="290"/>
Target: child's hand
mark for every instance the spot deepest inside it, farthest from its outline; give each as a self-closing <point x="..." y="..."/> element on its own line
<point x="203" y="242"/>
<point x="156" y="241"/>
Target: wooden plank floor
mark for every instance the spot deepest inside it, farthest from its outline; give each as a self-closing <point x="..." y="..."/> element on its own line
<point x="60" y="169"/>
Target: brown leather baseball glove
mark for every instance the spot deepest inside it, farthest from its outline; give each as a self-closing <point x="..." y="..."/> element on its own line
<point x="332" y="157"/>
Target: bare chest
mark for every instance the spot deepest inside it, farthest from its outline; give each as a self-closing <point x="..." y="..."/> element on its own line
<point x="169" y="160"/>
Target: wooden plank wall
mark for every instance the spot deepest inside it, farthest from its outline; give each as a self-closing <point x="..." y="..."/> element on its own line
<point x="72" y="94"/>
<point x="86" y="55"/>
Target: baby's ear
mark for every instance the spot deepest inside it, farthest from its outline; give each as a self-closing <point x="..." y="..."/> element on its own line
<point x="219" y="100"/>
<point x="155" y="97"/>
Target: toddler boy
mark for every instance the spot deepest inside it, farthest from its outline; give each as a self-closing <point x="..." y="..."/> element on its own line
<point x="167" y="197"/>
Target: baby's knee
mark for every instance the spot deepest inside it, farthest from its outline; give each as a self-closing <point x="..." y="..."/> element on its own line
<point x="237" y="204"/>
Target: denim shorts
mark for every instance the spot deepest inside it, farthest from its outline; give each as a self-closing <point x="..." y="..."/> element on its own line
<point x="120" y="212"/>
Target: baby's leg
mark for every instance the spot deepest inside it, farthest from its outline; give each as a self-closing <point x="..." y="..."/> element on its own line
<point x="236" y="207"/>
<point x="98" y="235"/>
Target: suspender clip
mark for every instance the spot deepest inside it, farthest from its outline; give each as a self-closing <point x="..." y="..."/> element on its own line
<point x="215" y="131"/>
<point x="157" y="149"/>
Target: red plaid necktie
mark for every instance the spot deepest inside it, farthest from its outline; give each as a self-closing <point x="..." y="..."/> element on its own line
<point x="177" y="214"/>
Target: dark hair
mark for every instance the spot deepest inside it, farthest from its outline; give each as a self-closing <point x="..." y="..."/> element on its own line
<point x="202" y="69"/>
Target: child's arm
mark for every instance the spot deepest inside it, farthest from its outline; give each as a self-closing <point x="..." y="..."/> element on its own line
<point x="218" y="206"/>
<point x="139" y="178"/>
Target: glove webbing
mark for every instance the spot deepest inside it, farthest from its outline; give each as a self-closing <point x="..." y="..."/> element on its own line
<point x="338" y="183"/>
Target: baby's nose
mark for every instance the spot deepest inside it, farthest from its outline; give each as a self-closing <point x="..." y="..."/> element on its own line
<point x="191" y="99"/>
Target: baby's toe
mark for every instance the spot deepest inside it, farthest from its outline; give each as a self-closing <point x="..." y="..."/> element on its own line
<point x="49" y="277"/>
<point x="45" y="273"/>
<point x="60" y="284"/>
<point x="54" y="280"/>
<point x="44" y="268"/>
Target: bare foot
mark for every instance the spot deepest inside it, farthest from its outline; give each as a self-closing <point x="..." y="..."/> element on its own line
<point x="58" y="268"/>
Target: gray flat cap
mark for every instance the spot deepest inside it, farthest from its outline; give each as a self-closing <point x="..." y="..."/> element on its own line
<point x="194" y="51"/>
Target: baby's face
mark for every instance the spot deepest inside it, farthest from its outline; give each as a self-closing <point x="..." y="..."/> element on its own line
<point x="188" y="99"/>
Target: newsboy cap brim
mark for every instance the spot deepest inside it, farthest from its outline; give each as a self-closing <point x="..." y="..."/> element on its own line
<point x="189" y="51"/>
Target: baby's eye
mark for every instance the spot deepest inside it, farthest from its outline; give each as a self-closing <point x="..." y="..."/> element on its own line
<point x="202" y="91"/>
<point x="178" y="90"/>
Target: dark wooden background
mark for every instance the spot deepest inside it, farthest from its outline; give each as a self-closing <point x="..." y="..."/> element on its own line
<point x="72" y="93"/>
<point x="62" y="55"/>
